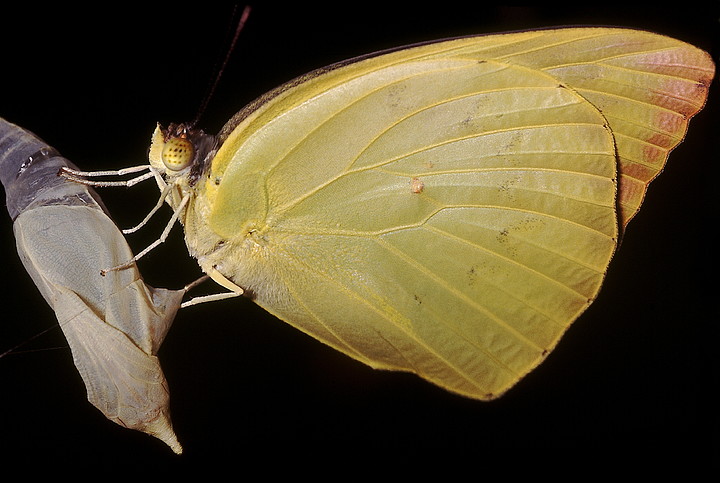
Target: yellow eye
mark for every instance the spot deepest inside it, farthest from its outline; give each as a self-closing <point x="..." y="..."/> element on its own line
<point x="177" y="154"/>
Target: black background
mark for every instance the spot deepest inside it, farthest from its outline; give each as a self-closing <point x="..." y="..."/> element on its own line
<point x="635" y="375"/>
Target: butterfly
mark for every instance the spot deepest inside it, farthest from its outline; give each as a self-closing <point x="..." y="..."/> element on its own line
<point x="447" y="208"/>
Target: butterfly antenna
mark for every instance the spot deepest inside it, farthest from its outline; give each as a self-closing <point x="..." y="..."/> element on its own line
<point x="221" y="67"/>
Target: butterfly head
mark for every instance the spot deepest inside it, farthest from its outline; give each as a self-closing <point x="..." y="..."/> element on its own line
<point x="181" y="150"/>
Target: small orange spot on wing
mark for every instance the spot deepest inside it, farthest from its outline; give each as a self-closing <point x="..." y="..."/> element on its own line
<point x="416" y="186"/>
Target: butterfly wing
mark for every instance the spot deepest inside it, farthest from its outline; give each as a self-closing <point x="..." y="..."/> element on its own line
<point x="448" y="209"/>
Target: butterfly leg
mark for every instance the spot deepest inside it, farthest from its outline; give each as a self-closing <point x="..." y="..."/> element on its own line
<point x="209" y="298"/>
<point x="161" y="200"/>
<point x="80" y="176"/>
<point x="235" y="291"/>
<point x="154" y="244"/>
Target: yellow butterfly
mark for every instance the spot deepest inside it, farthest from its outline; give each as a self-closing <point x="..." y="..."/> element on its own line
<point x="447" y="209"/>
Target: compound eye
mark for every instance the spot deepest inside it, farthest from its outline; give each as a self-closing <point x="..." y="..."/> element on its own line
<point x="177" y="154"/>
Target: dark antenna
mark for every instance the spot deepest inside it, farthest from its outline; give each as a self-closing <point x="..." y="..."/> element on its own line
<point x="221" y="66"/>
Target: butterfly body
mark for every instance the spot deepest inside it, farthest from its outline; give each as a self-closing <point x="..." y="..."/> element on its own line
<point x="447" y="209"/>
